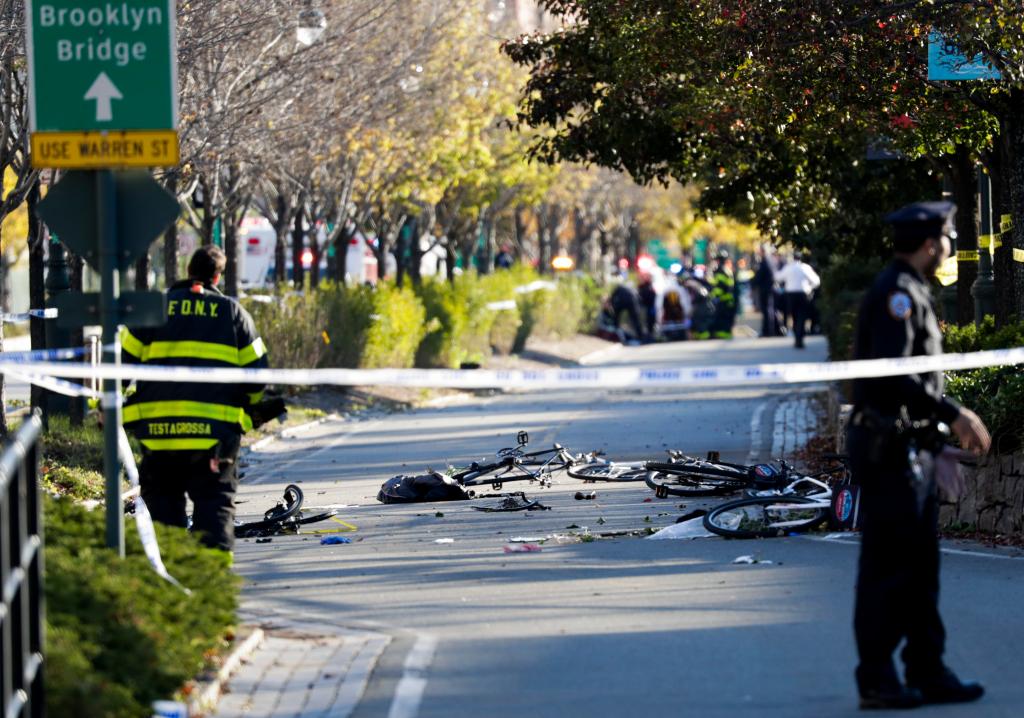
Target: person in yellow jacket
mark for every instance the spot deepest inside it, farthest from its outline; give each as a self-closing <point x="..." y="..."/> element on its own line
<point x="723" y="292"/>
<point x="191" y="432"/>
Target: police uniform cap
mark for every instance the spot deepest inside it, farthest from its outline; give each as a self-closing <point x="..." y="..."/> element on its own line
<point x="919" y="221"/>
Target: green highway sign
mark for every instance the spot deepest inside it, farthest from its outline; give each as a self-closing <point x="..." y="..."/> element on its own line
<point x="96" y="65"/>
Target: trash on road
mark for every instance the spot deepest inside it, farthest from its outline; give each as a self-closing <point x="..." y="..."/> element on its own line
<point x="523" y="548"/>
<point x="694" y="528"/>
<point x="264" y="540"/>
<point x="444" y="540"/>
<point x="517" y="501"/>
<point x="749" y="560"/>
<point x="585" y="495"/>
<point x="332" y="540"/>
<point x="528" y="539"/>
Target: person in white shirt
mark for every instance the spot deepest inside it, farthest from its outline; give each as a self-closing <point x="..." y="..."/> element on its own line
<point x="798" y="281"/>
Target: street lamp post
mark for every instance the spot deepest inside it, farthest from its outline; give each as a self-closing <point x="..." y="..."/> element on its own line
<point x="984" y="288"/>
<point x="56" y="283"/>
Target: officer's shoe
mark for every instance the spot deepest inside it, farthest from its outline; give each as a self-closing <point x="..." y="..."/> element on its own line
<point x="947" y="688"/>
<point x="891" y="697"/>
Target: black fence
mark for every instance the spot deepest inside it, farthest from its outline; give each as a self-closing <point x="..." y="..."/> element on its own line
<point x="21" y="576"/>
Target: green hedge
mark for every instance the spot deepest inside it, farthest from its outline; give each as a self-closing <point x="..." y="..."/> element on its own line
<point x="996" y="393"/>
<point x="118" y="636"/>
<point x="439" y="324"/>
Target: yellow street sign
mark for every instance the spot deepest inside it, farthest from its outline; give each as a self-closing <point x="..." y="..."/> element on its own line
<point x="99" y="150"/>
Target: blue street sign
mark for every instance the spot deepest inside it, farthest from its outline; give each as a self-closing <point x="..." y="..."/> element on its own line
<point x="946" y="62"/>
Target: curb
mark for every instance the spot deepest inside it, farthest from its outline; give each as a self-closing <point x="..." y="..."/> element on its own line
<point x="207" y="693"/>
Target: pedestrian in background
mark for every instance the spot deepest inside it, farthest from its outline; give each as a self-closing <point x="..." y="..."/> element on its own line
<point x="901" y="463"/>
<point x="191" y="432"/>
<point x="763" y="285"/>
<point x="798" y="281"/>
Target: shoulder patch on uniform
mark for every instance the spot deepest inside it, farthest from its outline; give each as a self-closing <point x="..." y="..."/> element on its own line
<point x="900" y="305"/>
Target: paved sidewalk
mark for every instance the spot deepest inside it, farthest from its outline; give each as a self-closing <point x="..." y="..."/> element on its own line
<point x="797" y="420"/>
<point x="303" y="670"/>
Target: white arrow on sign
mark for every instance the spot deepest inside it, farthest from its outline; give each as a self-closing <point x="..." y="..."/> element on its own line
<point x="103" y="91"/>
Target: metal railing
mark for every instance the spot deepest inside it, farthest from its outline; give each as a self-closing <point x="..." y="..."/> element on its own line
<point x="21" y="576"/>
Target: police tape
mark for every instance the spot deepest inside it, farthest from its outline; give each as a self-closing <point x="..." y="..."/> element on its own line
<point x="48" y="313"/>
<point x="38" y="355"/>
<point x="654" y="377"/>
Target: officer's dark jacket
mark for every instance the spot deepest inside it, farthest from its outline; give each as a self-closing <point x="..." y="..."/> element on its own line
<point x="897" y="319"/>
<point x="204" y="329"/>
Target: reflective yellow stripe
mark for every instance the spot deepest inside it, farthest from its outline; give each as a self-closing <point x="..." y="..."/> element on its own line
<point x="131" y="344"/>
<point x="178" y="444"/>
<point x="193" y="350"/>
<point x="252" y="352"/>
<point x="255" y="397"/>
<point x="187" y="409"/>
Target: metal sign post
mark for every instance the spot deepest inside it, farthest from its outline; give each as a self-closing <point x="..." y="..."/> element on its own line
<point x="103" y="94"/>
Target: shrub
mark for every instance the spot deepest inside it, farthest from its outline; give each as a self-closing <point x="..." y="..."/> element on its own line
<point x="372" y="326"/>
<point x="995" y="393"/>
<point x="119" y="636"/>
<point x="843" y="282"/>
<point x="292" y="326"/>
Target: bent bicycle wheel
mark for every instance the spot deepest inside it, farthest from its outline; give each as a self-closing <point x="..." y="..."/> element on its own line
<point x="610" y="471"/>
<point x="765" y="517"/>
<point x="666" y="485"/>
<point x="707" y="469"/>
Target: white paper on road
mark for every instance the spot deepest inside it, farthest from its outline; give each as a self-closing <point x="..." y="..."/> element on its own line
<point x="692" y="529"/>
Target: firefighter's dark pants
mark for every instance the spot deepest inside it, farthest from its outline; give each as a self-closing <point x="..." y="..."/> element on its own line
<point x="897" y="591"/>
<point x="166" y="476"/>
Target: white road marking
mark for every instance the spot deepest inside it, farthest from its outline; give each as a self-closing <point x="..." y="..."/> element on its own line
<point x="854" y="540"/>
<point x="410" y="688"/>
<point x="755" y="432"/>
<point x="270" y="470"/>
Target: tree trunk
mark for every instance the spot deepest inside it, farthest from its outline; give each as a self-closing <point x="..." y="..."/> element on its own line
<point x="520" y="230"/>
<point x="998" y="162"/>
<point x="416" y="252"/>
<point x="209" y="218"/>
<point x="171" y="237"/>
<point x="964" y="176"/>
<point x="1015" y="179"/>
<point x="281" y="223"/>
<point x="342" y="239"/>
<point x="142" y="272"/>
<point x="401" y="249"/>
<point x="230" y="230"/>
<point x="298" y="242"/>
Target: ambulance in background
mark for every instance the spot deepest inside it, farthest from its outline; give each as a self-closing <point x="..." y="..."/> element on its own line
<point x="256" y="258"/>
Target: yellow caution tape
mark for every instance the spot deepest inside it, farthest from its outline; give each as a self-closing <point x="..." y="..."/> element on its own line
<point x="1006" y="223"/>
<point x="325" y="337"/>
<point x="947" y="272"/>
<point x="986" y="240"/>
<point x="967" y="255"/>
<point x="1018" y="255"/>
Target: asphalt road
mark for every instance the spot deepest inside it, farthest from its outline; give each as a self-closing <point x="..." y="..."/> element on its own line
<point x="612" y="627"/>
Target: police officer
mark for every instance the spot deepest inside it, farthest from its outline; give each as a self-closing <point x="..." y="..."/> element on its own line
<point x="897" y="453"/>
<point x="723" y="291"/>
<point x="190" y="432"/>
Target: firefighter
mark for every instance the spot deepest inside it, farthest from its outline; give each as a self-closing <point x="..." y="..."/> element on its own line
<point x="723" y="291"/>
<point x="191" y="432"/>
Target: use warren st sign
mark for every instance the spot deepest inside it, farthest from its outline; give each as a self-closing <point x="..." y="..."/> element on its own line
<point x="103" y="83"/>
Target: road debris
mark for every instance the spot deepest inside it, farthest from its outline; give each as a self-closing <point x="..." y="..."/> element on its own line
<point x="332" y="540"/>
<point x="444" y="540"/>
<point x="523" y="548"/>
<point x="749" y="560"/>
<point x="585" y="495"/>
<point x="694" y="528"/>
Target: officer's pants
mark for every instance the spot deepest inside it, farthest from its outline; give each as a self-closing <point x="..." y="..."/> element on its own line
<point x="166" y="476"/>
<point x="897" y="591"/>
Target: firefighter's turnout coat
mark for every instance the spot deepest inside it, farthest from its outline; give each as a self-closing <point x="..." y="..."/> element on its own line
<point x="204" y="329"/>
